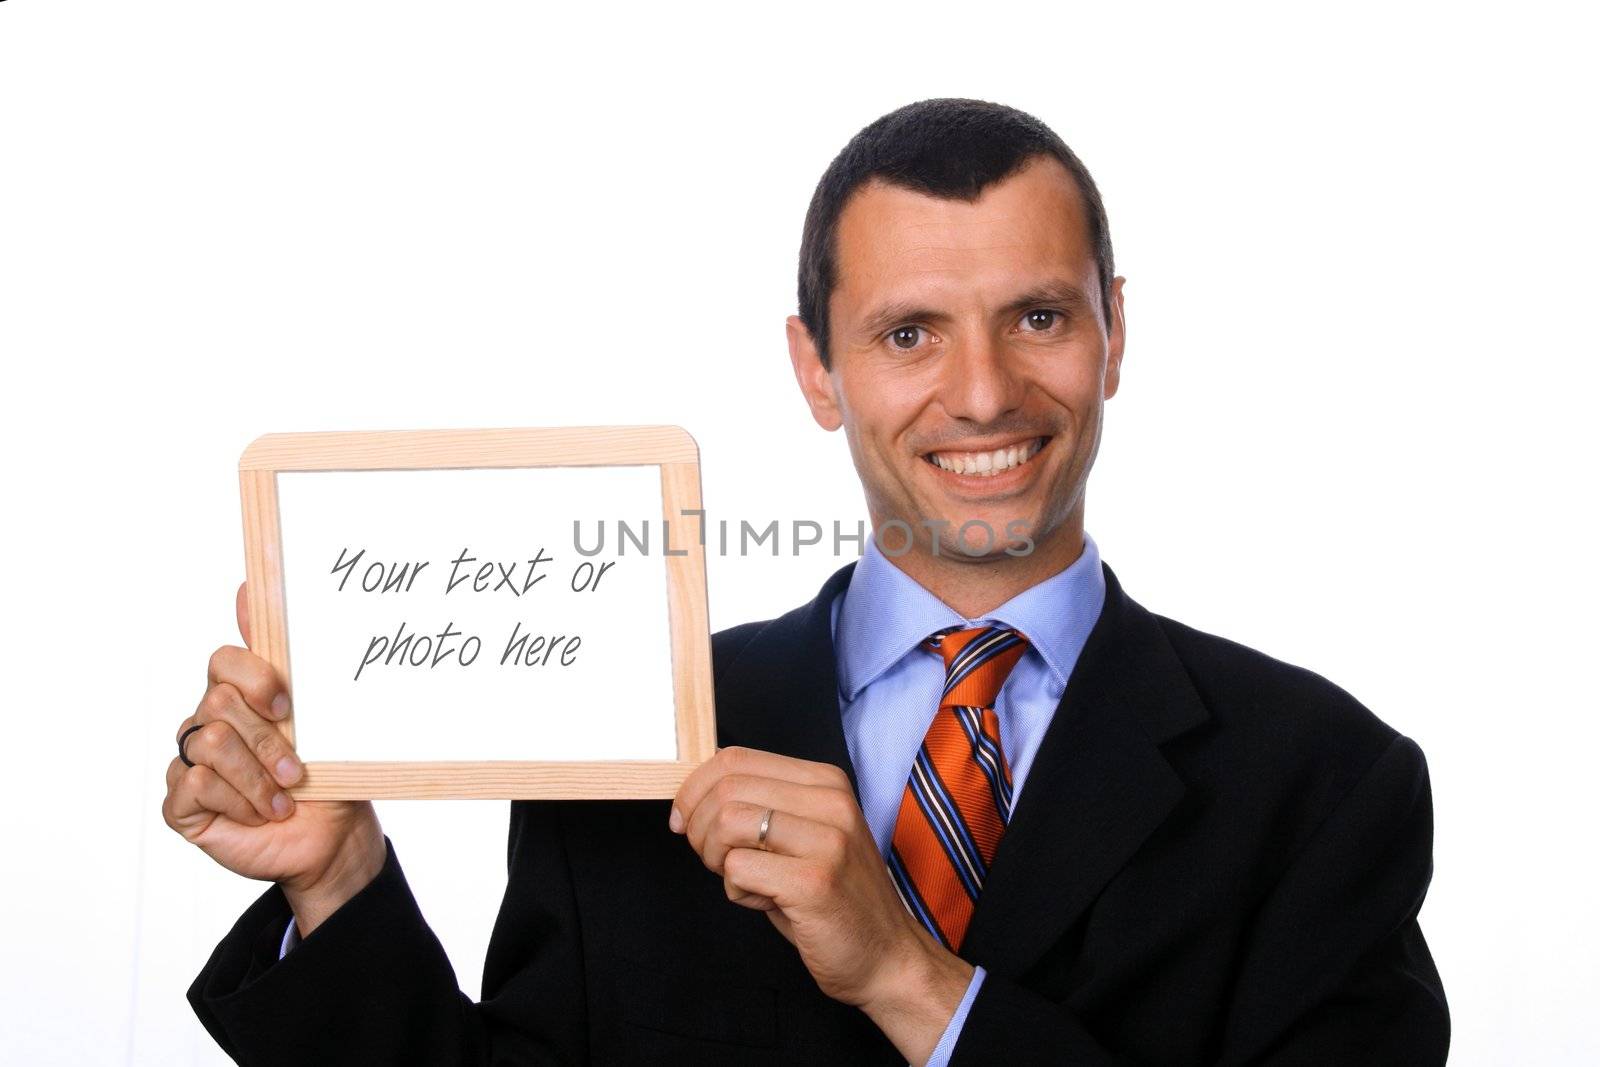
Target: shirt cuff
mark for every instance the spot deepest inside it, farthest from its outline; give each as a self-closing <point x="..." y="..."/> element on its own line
<point x="291" y="938"/>
<point x="952" y="1031"/>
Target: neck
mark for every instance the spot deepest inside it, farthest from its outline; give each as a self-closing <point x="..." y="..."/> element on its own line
<point x="975" y="587"/>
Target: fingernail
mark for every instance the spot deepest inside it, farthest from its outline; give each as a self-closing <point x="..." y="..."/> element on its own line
<point x="281" y="805"/>
<point x="280" y="706"/>
<point x="288" y="770"/>
<point x="675" y="820"/>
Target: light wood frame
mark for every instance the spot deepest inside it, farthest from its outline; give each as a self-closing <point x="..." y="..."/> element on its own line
<point x="669" y="447"/>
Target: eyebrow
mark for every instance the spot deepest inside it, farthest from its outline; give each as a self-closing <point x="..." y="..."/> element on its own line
<point x="899" y="312"/>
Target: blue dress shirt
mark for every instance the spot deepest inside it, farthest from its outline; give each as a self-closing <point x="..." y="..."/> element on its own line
<point x="889" y="687"/>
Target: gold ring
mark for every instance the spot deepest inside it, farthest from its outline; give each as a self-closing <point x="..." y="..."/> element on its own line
<point x="761" y="836"/>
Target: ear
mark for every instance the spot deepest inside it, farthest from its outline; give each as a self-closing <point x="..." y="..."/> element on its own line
<point x="814" y="380"/>
<point x="1116" y="334"/>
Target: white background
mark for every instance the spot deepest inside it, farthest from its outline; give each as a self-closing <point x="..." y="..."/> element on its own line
<point x="1360" y="248"/>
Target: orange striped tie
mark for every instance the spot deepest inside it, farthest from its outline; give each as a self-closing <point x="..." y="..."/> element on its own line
<point x="958" y="798"/>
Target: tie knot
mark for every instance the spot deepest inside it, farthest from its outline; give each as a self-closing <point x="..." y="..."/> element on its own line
<point x="977" y="662"/>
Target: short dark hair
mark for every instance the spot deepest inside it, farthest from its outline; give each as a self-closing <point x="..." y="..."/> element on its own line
<point x="952" y="148"/>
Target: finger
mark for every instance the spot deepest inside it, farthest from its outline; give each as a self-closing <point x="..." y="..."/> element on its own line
<point x="753" y="762"/>
<point x="184" y="737"/>
<point x="199" y="790"/>
<point x="218" y="746"/>
<point x="784" y="880"/>
<point x="241" y="612"/>
<point x="723" y="819"/>
<point x="738" y="825"/>
<point x="821" y="803"/>
<point x="272" y="750"/>
<point x="753" y="901"/>
<point x="252" y="676"/>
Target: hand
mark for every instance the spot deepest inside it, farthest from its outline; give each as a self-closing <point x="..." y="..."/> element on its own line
<point x="232" y="803"/>
<point x="824" y="885"/>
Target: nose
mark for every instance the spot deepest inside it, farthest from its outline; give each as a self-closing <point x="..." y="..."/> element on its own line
<point x="980" y="381"/>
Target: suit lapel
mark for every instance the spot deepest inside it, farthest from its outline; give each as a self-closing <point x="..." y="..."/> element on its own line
<point x="1097" y="789"/>
<point x="781" y="694"/>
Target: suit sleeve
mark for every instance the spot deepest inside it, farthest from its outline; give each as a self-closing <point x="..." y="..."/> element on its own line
<point x="1335" y="969"/>
<point x="372" y="984"/>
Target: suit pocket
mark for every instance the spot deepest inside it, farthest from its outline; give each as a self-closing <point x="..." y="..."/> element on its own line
<point x="695" y="1007"/>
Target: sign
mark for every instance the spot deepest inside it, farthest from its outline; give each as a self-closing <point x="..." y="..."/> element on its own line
<point x="514" y="613"/>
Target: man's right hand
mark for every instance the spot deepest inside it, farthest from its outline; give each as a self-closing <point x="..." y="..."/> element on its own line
<point x="232" y="803"/>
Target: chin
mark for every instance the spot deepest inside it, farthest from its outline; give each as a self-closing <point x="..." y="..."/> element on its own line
<point x="985" y="535"/>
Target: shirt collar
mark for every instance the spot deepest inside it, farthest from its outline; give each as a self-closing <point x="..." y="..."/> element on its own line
<point x="885" y="613"/>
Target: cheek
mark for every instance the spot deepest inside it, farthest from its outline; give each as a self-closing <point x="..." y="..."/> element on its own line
<point x="1074" y="384"/>
<point x="878" y="410"/>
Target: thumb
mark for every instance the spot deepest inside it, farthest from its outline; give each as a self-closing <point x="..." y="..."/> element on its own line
<point x="241" y="610"/>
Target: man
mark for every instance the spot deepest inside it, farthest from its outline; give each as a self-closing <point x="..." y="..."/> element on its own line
<point x="974" y="803"/>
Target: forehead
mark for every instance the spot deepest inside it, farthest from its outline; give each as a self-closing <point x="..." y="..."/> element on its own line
<point x="895" y="242"/>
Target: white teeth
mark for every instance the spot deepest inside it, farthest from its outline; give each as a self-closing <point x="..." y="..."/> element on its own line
<point x="987" y="464"/>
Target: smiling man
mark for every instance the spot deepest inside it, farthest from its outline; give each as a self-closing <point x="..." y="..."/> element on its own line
<point x="970" y="347"/>
<point x="974" y="805"/>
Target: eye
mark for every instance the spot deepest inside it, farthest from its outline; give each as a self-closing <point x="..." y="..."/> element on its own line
<point x="905" y="338"/>
<point x="1041" y="319"/>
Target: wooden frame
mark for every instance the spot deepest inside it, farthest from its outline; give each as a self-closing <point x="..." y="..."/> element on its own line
<point x="669" y="447"/>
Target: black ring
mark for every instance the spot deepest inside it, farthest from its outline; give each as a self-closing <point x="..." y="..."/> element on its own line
<point x="184" y="737"/>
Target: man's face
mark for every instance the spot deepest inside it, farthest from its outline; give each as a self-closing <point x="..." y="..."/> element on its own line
<point x="970" y="360"/>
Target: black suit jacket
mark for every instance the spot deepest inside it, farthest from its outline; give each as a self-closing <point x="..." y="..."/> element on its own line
<point x="1217" y="858"/>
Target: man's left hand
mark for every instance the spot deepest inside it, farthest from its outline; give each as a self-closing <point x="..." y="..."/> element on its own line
<point x="824" y="885"/>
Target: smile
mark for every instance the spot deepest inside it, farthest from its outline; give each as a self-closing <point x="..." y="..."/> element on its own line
<point x="990" y="463"/>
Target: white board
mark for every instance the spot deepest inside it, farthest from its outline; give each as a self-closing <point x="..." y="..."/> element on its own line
<point x="494" y="613"/>
<point x="371" y="677"/>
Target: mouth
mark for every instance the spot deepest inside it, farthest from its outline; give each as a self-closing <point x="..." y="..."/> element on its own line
<point x="988" y="463"/>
